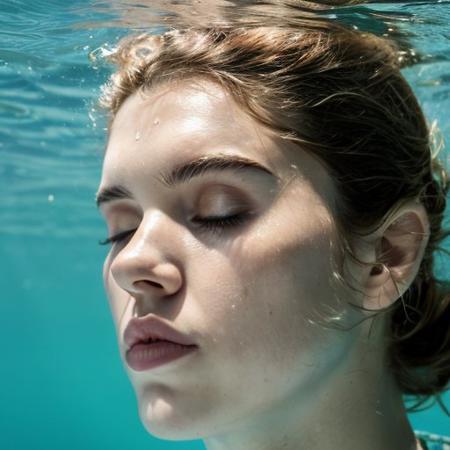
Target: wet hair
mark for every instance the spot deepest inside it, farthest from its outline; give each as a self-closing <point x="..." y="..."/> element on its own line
<point x="340" y="95"/>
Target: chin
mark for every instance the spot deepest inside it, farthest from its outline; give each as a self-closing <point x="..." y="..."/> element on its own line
<point x="162" y="421"/>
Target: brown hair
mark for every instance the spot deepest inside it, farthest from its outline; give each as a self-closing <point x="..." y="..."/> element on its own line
<point x="339" y="93"/>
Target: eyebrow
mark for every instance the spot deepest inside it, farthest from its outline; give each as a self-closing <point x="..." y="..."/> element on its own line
<point x="186" y="171"/>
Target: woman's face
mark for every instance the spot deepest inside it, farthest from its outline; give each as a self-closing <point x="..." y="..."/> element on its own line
<point x="243" y="292"/>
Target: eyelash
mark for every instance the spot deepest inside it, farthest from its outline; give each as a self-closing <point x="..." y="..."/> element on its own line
<point x="212" y="224"/>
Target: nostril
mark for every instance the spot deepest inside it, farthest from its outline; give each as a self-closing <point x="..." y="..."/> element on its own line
<point x="147" y="282"/>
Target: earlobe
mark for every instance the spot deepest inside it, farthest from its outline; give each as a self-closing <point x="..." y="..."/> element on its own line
<point x="399" y="250"/>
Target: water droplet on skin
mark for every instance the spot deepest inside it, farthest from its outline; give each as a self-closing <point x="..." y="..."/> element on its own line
<point x="233" y="306"/>
<point x="156" y="122"/>
<point x="138" y="135"/>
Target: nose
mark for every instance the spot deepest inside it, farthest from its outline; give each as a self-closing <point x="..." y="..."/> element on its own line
<point x="145" y="266"/>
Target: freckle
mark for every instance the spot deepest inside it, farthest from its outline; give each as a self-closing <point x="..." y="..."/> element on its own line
<point x="270" y="312"/>
<point x="138" y="135"/>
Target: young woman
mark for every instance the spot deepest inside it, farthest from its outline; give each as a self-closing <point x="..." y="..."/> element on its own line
<point x="274" y="207"/>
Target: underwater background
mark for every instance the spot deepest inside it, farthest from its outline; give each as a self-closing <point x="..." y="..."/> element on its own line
<point x="62" y="384"/>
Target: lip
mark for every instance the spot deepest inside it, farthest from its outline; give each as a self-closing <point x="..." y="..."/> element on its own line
<point x="148" y="356"/>
<point x="141" y="329"/>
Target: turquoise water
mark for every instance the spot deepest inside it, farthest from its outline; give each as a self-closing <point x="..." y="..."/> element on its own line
<point x="62" y="382"/>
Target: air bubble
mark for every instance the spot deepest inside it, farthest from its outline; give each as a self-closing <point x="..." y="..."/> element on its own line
<point x="91" y="115"/>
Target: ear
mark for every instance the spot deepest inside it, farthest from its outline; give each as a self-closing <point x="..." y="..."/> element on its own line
<point x="399" y="246"/>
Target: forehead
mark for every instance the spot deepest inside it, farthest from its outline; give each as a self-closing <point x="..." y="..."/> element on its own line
<point x="175" y="122"/>
<point x="185" y="102"/>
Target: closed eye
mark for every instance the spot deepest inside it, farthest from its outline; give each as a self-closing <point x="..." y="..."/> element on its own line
<point x="212" y="223"/>
<point x="220" y="223"/>
<point x="117" y="237"/>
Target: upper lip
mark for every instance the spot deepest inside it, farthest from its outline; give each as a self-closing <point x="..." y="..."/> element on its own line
<point x="140" y="329"/>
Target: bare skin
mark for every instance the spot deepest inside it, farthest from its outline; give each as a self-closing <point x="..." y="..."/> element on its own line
<point x="265" y="376"/>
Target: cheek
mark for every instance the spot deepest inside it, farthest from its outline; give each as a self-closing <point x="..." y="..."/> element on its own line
<point x="287" y="265"/>
<point x="286" y="286"/>
<point x="265" y="291"/>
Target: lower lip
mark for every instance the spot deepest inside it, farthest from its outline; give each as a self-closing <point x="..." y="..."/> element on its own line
<point x="147" y="356"/>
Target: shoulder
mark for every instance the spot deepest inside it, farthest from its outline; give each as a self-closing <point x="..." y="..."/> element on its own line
<point x="432" y="441"/>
